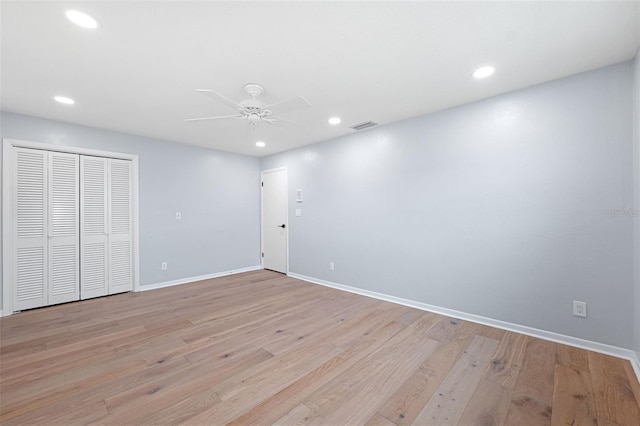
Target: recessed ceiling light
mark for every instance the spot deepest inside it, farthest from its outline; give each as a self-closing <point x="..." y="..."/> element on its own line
<point x="64" y="100"/>
<point x="260" y="144"/>
<point x="82" y="19"/>
<point x="483" y="72"/>
<point x="334" y="120"/>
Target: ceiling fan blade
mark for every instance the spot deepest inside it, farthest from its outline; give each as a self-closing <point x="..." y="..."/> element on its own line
<point x="289" y="105"/>
<point x="281" y="122"/>
<point x="214" y="118"/>
<point x="219" y="98"/>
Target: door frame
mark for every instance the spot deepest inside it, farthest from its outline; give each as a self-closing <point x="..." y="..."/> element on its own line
<point x="286" y="189"/>
<point x="8" y="185"/>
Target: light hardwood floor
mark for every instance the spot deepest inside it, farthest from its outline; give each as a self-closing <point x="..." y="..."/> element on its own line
<point x="262" y="348"/>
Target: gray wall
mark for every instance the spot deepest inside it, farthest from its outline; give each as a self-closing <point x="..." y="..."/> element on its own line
<point x="495" y="208"/>
<point x="216" y="192"/>
<point x="636" y="128"/>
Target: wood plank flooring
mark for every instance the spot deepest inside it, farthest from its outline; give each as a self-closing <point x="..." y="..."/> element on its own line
<point x="262" y="348"/>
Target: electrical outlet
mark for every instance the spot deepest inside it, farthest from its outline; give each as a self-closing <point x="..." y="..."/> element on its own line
<point x="580" y="309"/>
<point x="331" y="266"/>
<point x="163" y="266"/>
<point x="178" y="215"/>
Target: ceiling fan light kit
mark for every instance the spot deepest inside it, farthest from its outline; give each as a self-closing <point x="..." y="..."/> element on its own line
<point x="254" y="110"/>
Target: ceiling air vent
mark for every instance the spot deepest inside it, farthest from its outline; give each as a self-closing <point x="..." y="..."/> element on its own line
<point x="364" y="125"/>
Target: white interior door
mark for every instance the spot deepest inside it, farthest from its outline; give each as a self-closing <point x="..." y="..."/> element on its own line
<point x="274" y="220"/>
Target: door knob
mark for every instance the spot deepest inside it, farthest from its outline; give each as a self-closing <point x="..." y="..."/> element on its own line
<point x="282" y="226"/>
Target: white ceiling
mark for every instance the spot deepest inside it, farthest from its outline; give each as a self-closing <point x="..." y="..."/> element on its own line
<point x="379" y="61"/>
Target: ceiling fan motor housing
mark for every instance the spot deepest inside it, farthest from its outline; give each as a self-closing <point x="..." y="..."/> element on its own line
<point x="252" y="104"/>
<point x="253" y="89"/>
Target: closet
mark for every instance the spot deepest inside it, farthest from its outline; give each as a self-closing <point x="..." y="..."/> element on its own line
<point x="72" y="227"/>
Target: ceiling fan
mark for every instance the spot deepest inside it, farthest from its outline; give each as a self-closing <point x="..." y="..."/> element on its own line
<point x="254" y="110"/>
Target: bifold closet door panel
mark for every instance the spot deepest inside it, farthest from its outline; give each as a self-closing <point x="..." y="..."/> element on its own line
<point x="29" y="228"/>
<point x="93" y="227"/>
<point x="105" y="226"/>
<point x="120" y="221"/>
<point x="63" y="226"/>
<point x="46" y="256"/>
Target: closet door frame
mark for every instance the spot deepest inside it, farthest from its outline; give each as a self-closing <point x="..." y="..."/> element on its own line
<point x="8" y="237"/>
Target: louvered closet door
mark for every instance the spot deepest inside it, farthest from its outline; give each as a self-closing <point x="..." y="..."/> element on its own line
<point x="120" y="221"/>
<point x="63" y="228"/>
<point x="30" y="228"/>
<point x="93" y="227"/>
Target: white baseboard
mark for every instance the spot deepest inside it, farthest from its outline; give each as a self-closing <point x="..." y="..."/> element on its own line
<point x="627" y="354"/>
<point x="198" y="278"/>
